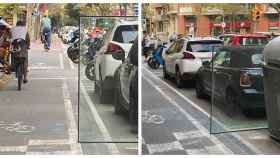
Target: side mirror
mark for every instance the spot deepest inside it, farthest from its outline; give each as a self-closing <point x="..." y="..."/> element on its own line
<point x="206" y="63"/>
<point x="119" y="55"/>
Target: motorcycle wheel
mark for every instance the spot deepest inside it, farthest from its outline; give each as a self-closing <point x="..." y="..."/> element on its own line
<point x="89" y="71"/>
<point x="86" y="58"/>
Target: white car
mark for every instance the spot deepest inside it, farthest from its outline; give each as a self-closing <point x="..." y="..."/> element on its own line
<point x="120" y="38"/>
<point x="185" y="56"/>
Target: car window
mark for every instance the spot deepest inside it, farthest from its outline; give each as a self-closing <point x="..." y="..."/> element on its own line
<point x="125" y="33"/>
<point x="222" y="58"/>
<point x="203" y="46"/>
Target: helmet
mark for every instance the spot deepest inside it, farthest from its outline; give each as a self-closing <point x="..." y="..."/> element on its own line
<point x="46" y="13"/>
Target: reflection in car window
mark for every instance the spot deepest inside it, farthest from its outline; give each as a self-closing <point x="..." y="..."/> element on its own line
<point x="125" y="33"/>
<point x="204" y="46"/>
<point x="222" y="58"/>
<point x="257" y="59"/>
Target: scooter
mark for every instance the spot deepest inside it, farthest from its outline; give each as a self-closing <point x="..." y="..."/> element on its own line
<point x="156" y="60"/>
<point x="73" y="52"/>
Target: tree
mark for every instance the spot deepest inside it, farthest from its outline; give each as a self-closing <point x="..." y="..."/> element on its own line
<point x="96" y="9"/>
<point x="72" y="14"/>
<point x="275" y="6"/>
<point x="8" y="10"/>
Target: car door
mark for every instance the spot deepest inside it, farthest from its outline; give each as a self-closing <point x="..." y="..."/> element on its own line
<point x="168" y="57"/>
<point x="221" y="72"/>
<point x="125" y="72"/>
<point x="178" y="55"/>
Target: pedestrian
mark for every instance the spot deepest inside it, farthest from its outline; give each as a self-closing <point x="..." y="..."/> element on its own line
<point x="20" y="37"/>
<point x="172" y="37"/>
<point x="46" y="29"/>
<point x="146" y="44"/>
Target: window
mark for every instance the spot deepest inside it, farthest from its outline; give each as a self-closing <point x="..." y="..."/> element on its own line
<point x="125" y="33"/>
<point x="222" y="58"/>
<point x="204" y="46"/>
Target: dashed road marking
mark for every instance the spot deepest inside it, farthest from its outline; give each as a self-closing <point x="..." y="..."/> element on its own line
<point x="72" y="128"/>
<point x="164" y="147"/>
<point x="48" y="142"/>
<point x="22" y="148"/>
<point x="106" y="135"/>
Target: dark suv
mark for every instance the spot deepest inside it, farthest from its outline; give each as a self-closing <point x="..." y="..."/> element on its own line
<point x="126" y="88"/>
<point x="238" y="78"/>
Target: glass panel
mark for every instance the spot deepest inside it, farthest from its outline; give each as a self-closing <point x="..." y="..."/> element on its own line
<point x="108" y="95"/>
<point x="237" y="94"/>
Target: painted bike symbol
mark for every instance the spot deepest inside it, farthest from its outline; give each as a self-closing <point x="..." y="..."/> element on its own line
<point x="150" y="117"/>
<point x="18" y="127"/>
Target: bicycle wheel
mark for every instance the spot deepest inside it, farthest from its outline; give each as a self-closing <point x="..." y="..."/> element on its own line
<point x="19" y="76"/>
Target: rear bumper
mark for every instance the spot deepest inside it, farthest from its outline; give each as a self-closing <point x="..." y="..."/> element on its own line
<point x="252" y="99"/>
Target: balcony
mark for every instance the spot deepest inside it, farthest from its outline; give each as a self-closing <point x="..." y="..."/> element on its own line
<point x="160" y="18"/>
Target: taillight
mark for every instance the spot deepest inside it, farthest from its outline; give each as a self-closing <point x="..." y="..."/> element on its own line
<point x="245" y="80"/>
<point x="188" y="55"/>
<point x="113" y="48"/>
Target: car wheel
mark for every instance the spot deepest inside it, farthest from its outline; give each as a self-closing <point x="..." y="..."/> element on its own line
<point x="165" y="75"/>
<point x="179" y="80"/>
<point x="118" y="108"/>
<point x="231" y="106"/>
<point x="199" y="89"/>
<point x="133" y="111"/>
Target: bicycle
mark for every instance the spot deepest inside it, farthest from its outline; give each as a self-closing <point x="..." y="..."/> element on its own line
<point x="19" y="60"/>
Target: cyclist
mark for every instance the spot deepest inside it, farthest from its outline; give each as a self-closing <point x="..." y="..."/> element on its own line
<point x="46" y="29"/>
<point x="20" y="37"/>
<point x="4" y="46"/>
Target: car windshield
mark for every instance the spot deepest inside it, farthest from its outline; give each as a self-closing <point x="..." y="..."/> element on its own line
<point x="253" y="41"/>
<point x="125" y="33"/>
<point x="204" y="46"/>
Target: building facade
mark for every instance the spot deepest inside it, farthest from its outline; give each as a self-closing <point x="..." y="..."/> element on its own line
<point x="195" y="20"/>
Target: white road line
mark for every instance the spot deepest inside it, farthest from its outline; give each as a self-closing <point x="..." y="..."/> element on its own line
<point x="50" y="153"/>
<point x="48" y="142"/>
<point x="165" y="147"/>
<point x="72" y="128"/>
<point x="107" y="137"/>
<point x="46" y="78"/>
<point x="223" y="148"/>
<point x="44" y="68"/>
<point x="61" y="61"/>
<point x="13" y="148"/>
<point x="237" y="136"/>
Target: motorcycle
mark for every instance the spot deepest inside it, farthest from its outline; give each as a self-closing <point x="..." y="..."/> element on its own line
<point x="94" y="47"/>
<point x="156" y="60"/>
<point x="73" y="52"/>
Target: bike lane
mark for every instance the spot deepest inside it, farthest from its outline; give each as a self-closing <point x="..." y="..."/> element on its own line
<point x="40" y="118"/>
<point x="185" y="129"/>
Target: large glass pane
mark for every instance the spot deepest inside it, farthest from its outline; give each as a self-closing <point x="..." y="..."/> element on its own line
<point x="237" y="93"/>
<point x="107" y="88"/>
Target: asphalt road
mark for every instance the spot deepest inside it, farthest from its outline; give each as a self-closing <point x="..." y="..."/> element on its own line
<point x="43" y="117"/>
<point x="175" y="121"/>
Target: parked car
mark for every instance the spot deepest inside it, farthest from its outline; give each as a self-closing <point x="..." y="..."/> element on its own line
<point x="245" y="39"/>
<point x="120" y="38"/>
<point x="238" y="78"/>
<point x="126" y="89"/>
<point x="184" y="57"/>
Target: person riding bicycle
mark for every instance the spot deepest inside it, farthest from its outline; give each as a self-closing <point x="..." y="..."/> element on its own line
<point x="20" y="38"/>
<point x="46" y="29"/>
<point x="4" y="45"/>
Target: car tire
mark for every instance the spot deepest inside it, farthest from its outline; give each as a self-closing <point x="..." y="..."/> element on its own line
<point x="133" y="111"/>
<point x="118" y="108"/>
<point x="231" y="107"/>
<point x="179" y="80"/>
<point x="199" y="89"/>
<point x="165" y="74"/>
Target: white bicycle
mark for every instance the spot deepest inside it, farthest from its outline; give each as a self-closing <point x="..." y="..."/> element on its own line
<point x="150" y="117"/>
<point x="16" y="127"/>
